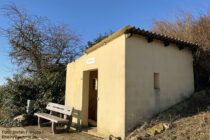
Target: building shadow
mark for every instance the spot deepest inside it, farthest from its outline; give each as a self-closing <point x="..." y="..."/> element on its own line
<point x="193" y="105"/>
<point x="77" y="125"/>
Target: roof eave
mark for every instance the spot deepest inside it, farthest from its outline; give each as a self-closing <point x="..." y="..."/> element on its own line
<point x="109" y="38"/>
<point x="162" y="37"/>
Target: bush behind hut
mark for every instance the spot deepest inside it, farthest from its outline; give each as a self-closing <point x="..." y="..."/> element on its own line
<point x="45" y="88"/>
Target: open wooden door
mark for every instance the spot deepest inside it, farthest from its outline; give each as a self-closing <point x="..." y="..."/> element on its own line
<point x="93" y="95"/>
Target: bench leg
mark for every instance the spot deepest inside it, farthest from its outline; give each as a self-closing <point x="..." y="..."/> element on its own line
<point x="67" y="127"/>
<point x="39" y="122"/>
<point x="69" y="124"/>
<point x="54" y="128"/>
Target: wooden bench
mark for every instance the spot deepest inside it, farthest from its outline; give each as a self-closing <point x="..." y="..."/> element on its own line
<point x="59" y="114"/>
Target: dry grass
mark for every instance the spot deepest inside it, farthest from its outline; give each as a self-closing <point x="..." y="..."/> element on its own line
<point x="195" y="127"/>
<point x="189" y="119"/>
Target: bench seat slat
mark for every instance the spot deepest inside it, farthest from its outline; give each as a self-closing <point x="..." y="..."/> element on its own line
<point x="59" y="108"/>
<point x="51" y="118"/>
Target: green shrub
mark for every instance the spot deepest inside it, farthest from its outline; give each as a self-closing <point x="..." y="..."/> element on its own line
<point x="48" y="87"/>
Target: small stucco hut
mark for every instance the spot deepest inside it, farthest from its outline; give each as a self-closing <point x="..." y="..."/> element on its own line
<point x="127" y="78"/>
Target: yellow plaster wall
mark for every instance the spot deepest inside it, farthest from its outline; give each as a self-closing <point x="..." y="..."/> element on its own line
<point x="110" y="62"/>
<point x="126" y="94"/>
<point x="143" y="59"/>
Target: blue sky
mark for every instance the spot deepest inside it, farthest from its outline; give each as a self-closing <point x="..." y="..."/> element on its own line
<point x="88" y="18"/>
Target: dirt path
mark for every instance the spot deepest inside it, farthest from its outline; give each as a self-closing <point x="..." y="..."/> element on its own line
<point x="44" y="133"/>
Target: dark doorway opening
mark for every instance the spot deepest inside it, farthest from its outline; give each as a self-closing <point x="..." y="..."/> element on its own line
<point x="93" y="95"/>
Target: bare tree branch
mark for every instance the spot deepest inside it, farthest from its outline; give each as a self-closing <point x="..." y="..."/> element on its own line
<point x="37" y="45"/>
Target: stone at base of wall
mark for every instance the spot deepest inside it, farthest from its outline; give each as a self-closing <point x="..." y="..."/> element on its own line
<point x="111" y="137"/>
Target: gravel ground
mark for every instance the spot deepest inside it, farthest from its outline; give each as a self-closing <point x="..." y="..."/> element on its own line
<point x="44" y="133"/>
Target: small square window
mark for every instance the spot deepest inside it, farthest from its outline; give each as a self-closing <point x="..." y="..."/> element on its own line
<point x="95" y="84"/>
<point x="156" y="81"/>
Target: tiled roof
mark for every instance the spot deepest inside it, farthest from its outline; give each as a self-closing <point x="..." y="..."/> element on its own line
<point x="162" y="37"/>
<point x="149" y="35"/>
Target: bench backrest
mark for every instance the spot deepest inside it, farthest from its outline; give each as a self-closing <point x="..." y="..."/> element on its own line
<point x="60" y="108"/>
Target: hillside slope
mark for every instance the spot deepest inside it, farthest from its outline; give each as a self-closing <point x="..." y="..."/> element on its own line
<point x="189" y="119"/>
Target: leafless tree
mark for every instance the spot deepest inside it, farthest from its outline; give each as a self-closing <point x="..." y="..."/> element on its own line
<point x="36" y="44"/>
